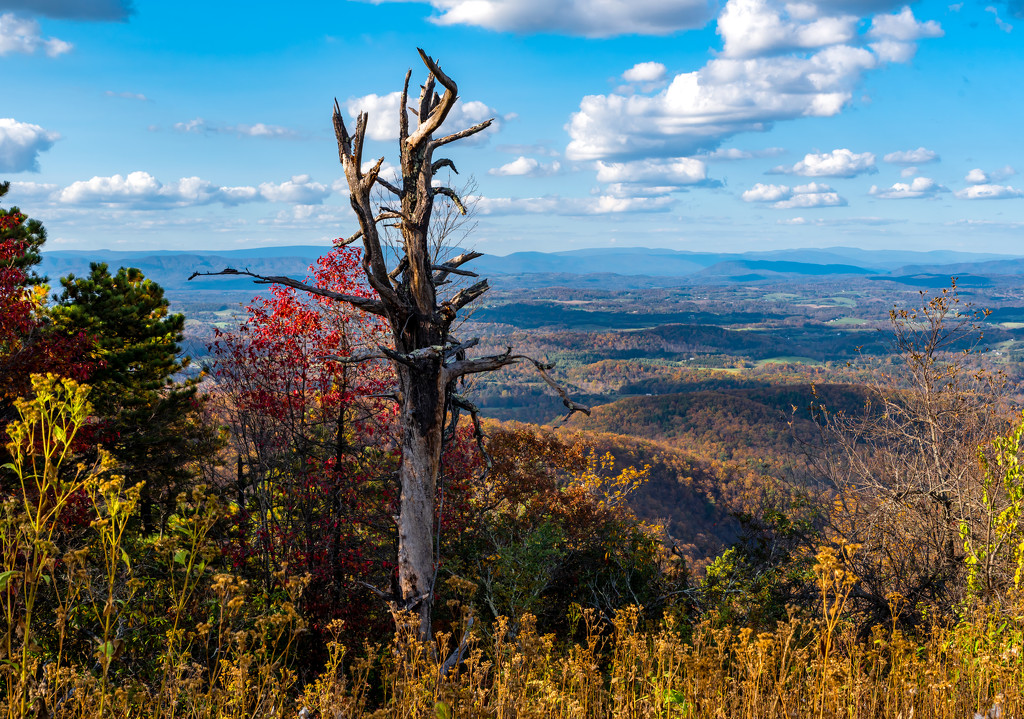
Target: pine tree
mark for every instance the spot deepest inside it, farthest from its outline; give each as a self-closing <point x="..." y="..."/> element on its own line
<point x="26" y="234"/>
<point x="151" y="422"/>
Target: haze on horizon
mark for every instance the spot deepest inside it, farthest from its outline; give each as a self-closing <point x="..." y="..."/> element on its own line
<point x="690" y="125"/>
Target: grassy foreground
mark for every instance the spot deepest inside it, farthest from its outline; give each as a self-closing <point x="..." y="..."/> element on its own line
<point x="802" y="668"/>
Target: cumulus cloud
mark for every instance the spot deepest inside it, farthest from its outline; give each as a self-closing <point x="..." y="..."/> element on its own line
<point x="977" y="176"/>
<point x="199" y="126"/>
<point x="572" y="206"/>
<point x="989" y="192"/>
<point x="920" y="187"/>
<point x="300" y="190"/>
<point x="762" y="192"/>
<point x="783" y="197"/>
<point x="140" y="190"/>
<point x="570" y="17"/>
<point x="756" y="27"/>
<point x="526" y="167"/>
<point x="895" y="36"/>
<point x="807" y="65"/>
<point x="382" y="124"/>
<point x="73" y="9"/>
<point x="23" y="35"/>
<point x="21" y="143"/>
<point x="920" y="156"/>
<point x="838" y="163"/>
<point x="674" y="171"/>
<point x="645" y="72"/>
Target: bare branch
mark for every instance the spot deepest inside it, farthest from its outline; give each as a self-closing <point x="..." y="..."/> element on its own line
<point x="461" y="347"/>
<point x="478" y="431"/>
<point x="435" y="70"/>
<point x="469" y="131"/>
<point x="366" y="304"/>
<point x="444" y="162"/>
<point x="448" y="269"/>
<point x="428" y="124"/>
<point x="403" y="118"/>
<point x="391" y="188"/>
<point x="464" y="296"/>
<point x="348" y="240"/>
<point x="443" y="270"/>
<point x="341" y="133"/>
<point x="357" y="146"/>
<point x="393" y="275"/>
<point x="449" y="192"/>
<point x="357" y="357"/>
<point x="573" y="407"/>
<point x="493" y="362"/>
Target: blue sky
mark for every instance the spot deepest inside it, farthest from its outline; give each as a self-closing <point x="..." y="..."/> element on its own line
<point x="688" y="124"/>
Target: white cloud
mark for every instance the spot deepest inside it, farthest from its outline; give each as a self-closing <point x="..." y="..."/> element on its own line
<point x="920" y="187"/>
<point x="751" y="28"/>
<point x="920" y="156"/>
<point x="572" y="206"/>
<point x="22" y="35"/>
<point x="199" y="126"/>
<point x="699" y="109"/>
<point x="838" y="163"/>
<point x="989" y="192"/>
<point x="767" y="193"/>
<point x="261" y="130"/>
<point x="30" y="191"/>
<point x="127" y="95"/>
<point x="571" y="17"/>
<point x="732" y="153"/>
<point x="21" y="143"/>
<point x="804" y="200"/>
<point x="753" y="84"/>
<point x="1000" y="23"/>
<point x="631" y="189"/>
<point x="526" y="167"/>
<point x="908" y="172"/>
<point x="645" y="72"/>
<point x="834" y="222"/>
<point x="675" y="171"/>
<point x="813" y="194"/>
<point x="300" y="190"/>
<point x="382" y="124"/>
<point x="140" y="190"/>
<point x="895" y="36"/>
<point x="977" y="176"/>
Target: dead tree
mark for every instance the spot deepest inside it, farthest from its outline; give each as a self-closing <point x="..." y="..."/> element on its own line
<point x="429" y="361"/>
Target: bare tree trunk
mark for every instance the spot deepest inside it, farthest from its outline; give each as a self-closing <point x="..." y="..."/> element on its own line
<point x="422" y="419"/>
<point x="428" y="361"/>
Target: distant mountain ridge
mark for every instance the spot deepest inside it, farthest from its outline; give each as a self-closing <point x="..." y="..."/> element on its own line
<point x="171" y="268"/>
